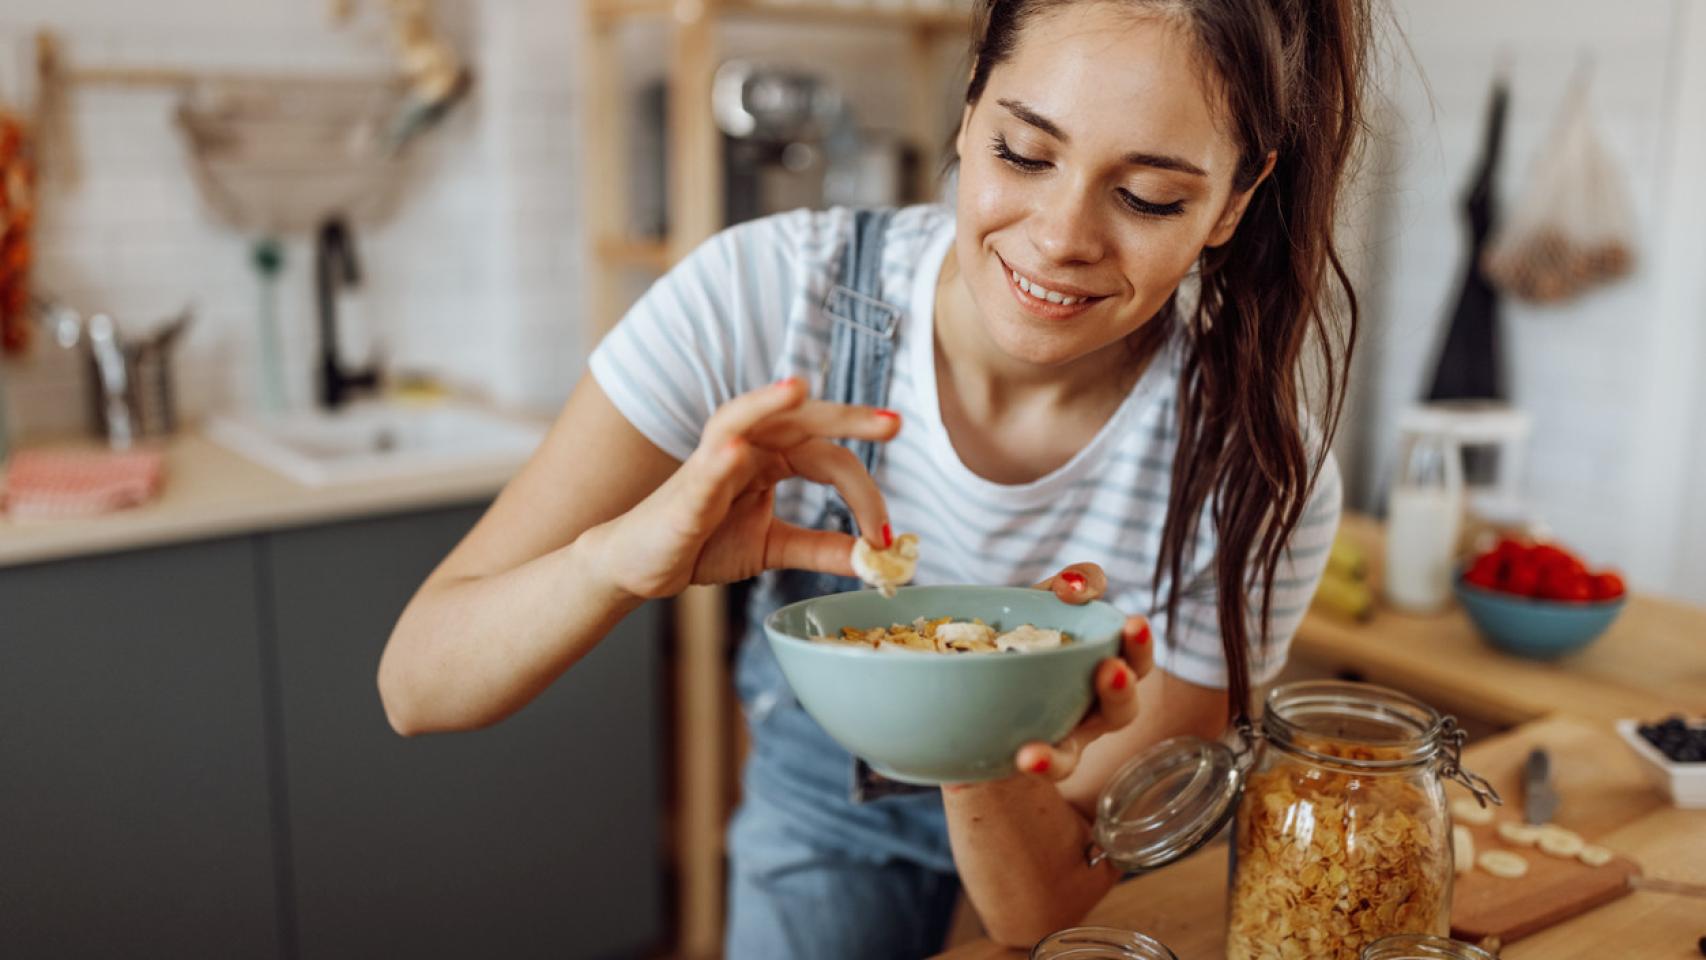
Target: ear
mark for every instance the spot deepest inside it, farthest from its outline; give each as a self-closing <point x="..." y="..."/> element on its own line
<point x="960" y="137"/>
<point x="1235" y="204"/>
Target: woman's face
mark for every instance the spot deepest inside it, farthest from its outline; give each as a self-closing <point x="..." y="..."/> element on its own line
<point x="1093" y="168"/>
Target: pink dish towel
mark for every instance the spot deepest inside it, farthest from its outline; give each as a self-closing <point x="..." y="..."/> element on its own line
<point x="56" y="484"/>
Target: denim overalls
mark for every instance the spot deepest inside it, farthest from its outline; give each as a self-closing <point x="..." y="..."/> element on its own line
<point x="825" y="859"/>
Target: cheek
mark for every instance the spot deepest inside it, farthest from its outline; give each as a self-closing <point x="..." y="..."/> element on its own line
<point x="985" y="199"/>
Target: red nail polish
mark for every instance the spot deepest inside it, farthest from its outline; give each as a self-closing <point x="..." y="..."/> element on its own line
<point x="1142" y="635"/>
<point x="1040" y="765"/>
<point x="1119" y="680"/>
<point x="888" y="537"/>
<point x="1073" y="579"/>
<point x="887" y="413"/>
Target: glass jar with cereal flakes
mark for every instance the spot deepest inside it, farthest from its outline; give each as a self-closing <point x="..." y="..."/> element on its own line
<point x="1342" y="835"/>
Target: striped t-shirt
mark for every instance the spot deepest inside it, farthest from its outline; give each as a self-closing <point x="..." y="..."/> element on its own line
<point x="745" y="309"/>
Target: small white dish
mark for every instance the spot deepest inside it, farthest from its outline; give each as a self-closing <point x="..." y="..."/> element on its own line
<point x="1684" y="782"/>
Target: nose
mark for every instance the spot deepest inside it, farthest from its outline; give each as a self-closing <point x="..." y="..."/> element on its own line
<point x="1066" y="227"/>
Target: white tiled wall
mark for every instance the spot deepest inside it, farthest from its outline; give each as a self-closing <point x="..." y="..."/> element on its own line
<point x="472" y="279"/>
<point x="1613" y="427"/>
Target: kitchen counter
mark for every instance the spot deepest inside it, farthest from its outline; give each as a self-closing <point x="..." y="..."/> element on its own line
<point x="1652" y="660"/>
<point x="1604" y="795"/>
<point x="211" y="491"/>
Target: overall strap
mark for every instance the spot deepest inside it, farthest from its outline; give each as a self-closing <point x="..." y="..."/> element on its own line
<point x="862" y="326"/>
<point x="856" y="370"/>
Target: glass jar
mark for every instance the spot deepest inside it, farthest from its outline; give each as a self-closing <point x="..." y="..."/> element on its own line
<point x="1342" y="836"/>
<point x="1415" y="946"/>
<point x="1100" y="943"/>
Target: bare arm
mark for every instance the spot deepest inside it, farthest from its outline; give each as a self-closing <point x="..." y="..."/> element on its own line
<point x="522" y="597"/>
<point x="1019" y="842"/>
<point x="597" y="522"/>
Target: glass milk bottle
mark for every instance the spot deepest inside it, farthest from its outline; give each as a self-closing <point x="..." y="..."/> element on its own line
<point x="1424" y="514"/>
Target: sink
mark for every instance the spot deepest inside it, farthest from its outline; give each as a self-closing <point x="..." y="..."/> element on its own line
<point x="378" y="441"/>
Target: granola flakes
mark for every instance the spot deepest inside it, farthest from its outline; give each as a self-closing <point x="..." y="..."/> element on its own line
<point x="1329" y="861"/>
<point x="947" y="635"/>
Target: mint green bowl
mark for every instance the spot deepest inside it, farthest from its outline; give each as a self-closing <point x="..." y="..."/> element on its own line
<point x="935" y="718"/>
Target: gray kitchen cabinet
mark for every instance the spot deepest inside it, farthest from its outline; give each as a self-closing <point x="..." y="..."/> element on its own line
<point x="194" y="763"/>
<point x="537" y="837"/>
<point x="135" y="815"/>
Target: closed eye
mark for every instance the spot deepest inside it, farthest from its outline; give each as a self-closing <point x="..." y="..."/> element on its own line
<point x="1129" y="200"/>
<point x="1005" y="152"/>
<point x="1150" y="209"/>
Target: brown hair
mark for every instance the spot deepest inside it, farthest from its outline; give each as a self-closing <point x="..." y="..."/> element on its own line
<point x="1289" y="73"/>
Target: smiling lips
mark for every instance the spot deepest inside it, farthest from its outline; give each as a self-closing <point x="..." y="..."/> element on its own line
<point x="1044" y="302"/>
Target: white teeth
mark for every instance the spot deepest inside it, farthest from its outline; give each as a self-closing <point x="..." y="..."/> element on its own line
<point x="1042" y="292"/>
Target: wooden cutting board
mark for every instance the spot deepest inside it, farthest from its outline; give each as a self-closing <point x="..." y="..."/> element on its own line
<point x="1554" y="889"/>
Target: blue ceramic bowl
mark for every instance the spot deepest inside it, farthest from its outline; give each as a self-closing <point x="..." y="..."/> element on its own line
<point x="942" y="718"/>
<point x="1541" y="629"/>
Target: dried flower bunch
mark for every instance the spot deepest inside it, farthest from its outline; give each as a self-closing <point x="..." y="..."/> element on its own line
<point x="1329" y="861"/>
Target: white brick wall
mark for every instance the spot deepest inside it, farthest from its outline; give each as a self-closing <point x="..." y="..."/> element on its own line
<point x="1604" y="417"/>
<point x="470" y="280"/>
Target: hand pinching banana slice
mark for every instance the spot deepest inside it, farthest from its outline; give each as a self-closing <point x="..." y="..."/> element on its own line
<point x="1502" y="863"/>
<point x="886" y="569"/>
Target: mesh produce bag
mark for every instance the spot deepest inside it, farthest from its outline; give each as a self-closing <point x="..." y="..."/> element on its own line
<point x="1573" y="227"/>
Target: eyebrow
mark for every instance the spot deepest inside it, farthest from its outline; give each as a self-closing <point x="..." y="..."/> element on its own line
<point x="1159" y="161"/>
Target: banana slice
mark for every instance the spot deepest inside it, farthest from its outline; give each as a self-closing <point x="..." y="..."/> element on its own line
<point x="1520" y="834"/>
<point x="1462" y="849"/>
<point x="1465" y="810"/>
<point x="1558" y="842"/>
<point x="1502" y="863"/>
<point x="887" y="569"/>
<point x="1594" y="856"/>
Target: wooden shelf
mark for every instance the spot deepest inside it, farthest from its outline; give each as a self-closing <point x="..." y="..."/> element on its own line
<point x="626" y="252"/>
<point x="808" y="11"/>
<point x="707" y="732"/>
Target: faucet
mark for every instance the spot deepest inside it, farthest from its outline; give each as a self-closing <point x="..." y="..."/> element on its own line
<point x="335" y="265"/>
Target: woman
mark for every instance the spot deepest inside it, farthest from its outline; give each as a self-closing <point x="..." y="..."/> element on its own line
<point x="1015" y="378"/>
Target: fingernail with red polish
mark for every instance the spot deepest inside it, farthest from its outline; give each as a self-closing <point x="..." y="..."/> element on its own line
<point x="1120" y="679"/>
<point x="890" y="414"/>
<point x="1040" y="765"/>
<point x="888" y="537"/>
<point x="1142" y="635"/>
<point x="1073" y="579"/>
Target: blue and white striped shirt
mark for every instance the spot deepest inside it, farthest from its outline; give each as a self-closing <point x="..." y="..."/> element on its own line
<point x="744" y="310"/>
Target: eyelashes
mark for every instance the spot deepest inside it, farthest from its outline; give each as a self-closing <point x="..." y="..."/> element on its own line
<point x="1136" y="204"/>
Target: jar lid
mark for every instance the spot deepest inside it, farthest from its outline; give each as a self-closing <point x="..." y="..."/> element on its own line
<point x="1166" y="802"/>
<point x="1100" y="943"/>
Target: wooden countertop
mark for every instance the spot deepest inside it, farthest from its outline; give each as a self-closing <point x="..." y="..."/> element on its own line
<point x="211" y="491"/>
<point x="1651" y="661"/>
<point x="1604" y="795"/>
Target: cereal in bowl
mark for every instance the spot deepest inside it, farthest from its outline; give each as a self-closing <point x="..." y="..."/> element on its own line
<point x="947" y="635"/>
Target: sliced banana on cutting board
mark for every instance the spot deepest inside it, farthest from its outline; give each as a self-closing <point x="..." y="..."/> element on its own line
<point x="1502" y="863"/>
<point x="1520" y="834"/>
<point x="1465" y="810"/>
<point x="1462" y="849"/>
